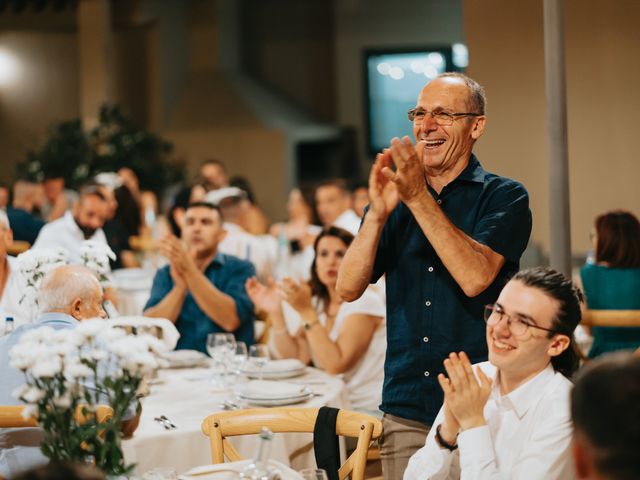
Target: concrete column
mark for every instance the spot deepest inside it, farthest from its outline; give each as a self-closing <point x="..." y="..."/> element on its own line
<point x="560" y="220"/>
<point x="95" y="47"/>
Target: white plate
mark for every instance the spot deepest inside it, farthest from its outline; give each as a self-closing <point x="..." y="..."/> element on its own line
<point x="276" y="369"/>
<point x="277" y="402"/>
<point x="273" y="375"/>
<point x="264" y="390"/>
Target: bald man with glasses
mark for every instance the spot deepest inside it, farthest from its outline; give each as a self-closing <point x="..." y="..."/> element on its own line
<point x="447" y="234"/>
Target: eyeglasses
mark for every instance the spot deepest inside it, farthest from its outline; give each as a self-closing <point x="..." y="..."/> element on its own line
<point x="518" y="325"/>
<point x="443" y="119"/>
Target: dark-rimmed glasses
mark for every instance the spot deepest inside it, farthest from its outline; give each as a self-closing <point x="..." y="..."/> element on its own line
<point x="442" y="118"/>
<point x="519" y="325"/>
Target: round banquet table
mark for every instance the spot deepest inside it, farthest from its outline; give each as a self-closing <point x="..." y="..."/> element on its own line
<point x="187" y="396"/>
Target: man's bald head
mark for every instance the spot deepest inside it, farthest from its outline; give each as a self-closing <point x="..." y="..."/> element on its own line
<point x="71" y="289"/>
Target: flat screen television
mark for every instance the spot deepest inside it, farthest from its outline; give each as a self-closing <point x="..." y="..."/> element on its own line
<point x="393" y="80"/>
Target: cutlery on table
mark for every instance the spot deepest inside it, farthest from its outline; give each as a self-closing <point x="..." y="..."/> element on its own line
<point x="167" y="421"/>
<point x="162" y="420"/>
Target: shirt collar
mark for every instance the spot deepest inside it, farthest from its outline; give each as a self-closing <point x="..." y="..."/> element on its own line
<point x="526" y="395"/>
<point x="218" y="261"/>
<point x="232" y="227"/>
<point x="473" y="172"/>
<point x="57" y="318"/>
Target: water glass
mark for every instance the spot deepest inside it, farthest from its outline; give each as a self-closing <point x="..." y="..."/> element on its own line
<point x="314" y="474"/>
<point x="219" y="347"/>
<point x="239" y="357"/>
<point x="259" y="356"/>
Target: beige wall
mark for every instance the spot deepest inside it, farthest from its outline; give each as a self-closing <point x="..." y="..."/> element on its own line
<point x="253" y="152"/>
<point x="506" y="53"/>
<point x="45" y="91"/>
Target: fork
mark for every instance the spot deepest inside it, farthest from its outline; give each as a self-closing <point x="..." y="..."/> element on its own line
<point x="163" y="423"/>
<point x="168" y="422"/>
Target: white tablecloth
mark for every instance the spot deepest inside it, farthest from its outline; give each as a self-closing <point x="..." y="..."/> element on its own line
<point x="187" y="396"/>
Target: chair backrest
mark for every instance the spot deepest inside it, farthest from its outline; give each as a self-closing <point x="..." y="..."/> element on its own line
<point x="243" y="422"/>
<point x="11" y="416"/>
<point x="611" y="318"/>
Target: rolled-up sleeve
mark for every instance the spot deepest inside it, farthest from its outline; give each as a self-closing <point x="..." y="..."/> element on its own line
<point x="505" y="223"/>
<point x="162" y="284"/>
<point x="234" y="287"/>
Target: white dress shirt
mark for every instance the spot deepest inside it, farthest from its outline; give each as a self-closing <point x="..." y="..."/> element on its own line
<point x="527" y="436"/>
<point x="260" y="250"/>
<point x="65" y="233"/>
<point x="349" y="220"/>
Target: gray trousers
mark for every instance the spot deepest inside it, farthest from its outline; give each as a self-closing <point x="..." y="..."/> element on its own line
<point x="400" y="439"/>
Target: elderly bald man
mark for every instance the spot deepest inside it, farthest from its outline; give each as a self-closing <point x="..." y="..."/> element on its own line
<point x="69" y="294"/>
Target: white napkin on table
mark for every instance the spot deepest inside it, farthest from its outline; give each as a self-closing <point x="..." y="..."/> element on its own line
<point x="169" y="335"/>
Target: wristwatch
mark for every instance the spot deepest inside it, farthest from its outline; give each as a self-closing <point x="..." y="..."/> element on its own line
<point x="441" y="441"/>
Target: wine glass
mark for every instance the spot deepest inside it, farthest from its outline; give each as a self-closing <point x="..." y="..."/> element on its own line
<point x="219" y="348"/>
<point x="259" y="356"/>
<point x="239" y="357"/>
<point x="314" y="474"/>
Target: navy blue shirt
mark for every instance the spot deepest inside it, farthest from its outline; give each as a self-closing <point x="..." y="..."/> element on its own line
<point x="428" y="314"/>
<point x="229" y="275"/>
<point x="25" y="225"/>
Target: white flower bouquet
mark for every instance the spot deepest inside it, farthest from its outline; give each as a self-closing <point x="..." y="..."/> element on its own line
<point x="84" y="367"/>
<point x="33" y="265"/>
<point x="95" y="256"/>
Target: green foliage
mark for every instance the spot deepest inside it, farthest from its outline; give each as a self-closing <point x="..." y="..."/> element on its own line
<point x="116" y="142"/>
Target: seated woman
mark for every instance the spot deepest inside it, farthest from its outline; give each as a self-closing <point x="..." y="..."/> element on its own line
<point x="613" y="282"/>
<point x="298" y="233"/>
<point x="340" y="337"/>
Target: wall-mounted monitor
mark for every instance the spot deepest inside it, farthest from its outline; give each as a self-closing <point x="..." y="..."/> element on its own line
<point x="393" y="80"/>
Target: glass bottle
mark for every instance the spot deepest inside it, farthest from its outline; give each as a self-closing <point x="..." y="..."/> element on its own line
<point x="281" y="269"/>
<point x="259" y="468"/>
<point x="8" y="325"/>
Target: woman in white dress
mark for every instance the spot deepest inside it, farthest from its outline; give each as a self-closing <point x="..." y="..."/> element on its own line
<point x="314" y="324"/>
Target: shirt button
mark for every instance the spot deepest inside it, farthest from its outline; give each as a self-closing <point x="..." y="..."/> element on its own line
<point x="430" y="269"/>
<point x="425" y="339"/>
<point x="426" y="374"/>
<point x="427" y="303"/>
<point x="439" y="202"/>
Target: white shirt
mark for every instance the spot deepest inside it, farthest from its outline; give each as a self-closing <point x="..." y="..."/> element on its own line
<point x="527" y="436"/>
<point x="10" y="305"/>
<point x="364" y="380"/>
<point x="65" y="233"/>
<point x="261" y="250"/>
<point x="349" y="220"/>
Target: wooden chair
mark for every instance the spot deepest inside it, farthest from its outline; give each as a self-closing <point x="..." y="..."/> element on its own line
<point x="11" y="416"/>
<point x="221" y="425"/>
<point x="611" y="318"/>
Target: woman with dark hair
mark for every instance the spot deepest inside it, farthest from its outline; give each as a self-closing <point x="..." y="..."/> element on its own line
<point x="297" y="234"/>
<point x="340" y="337"/>
<point x="613" y="281"/>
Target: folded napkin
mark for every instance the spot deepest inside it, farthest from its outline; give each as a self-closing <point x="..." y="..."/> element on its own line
<point x="276" y="366"/>
<point x="186" y="358"/>
<point x="161" y="328"/>
<point x="261" y="389"/>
